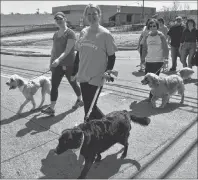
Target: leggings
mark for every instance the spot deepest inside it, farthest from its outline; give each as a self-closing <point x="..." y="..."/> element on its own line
<point x="57" y="75"/>
<point x="88" y="92"/>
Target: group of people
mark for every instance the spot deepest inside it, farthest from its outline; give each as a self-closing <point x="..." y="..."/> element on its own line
<point x="94" y="60"/>
<point x="181" y="37"/>
<point x="95" y="56"/>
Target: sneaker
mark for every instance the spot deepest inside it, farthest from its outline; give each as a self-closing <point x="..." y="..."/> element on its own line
<point x="77" y="104"/>
<point x="141" y="70"/>
<point x="49" y="111"/>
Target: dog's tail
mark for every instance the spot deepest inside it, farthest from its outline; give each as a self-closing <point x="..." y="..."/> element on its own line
<point x="144" y="121"/>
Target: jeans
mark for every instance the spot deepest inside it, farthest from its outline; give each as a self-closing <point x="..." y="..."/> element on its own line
<point x="188" y="49"/>
<point x="153" y="67"/>
<point x="88" y="93"/>
<point x="174" y="54"/>
<point x="57" y="75"/>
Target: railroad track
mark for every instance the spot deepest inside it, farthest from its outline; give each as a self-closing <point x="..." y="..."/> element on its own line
<point x="133" y="89"/>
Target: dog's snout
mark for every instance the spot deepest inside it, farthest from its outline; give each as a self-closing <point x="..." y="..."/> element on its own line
<point x="7" y="83"/>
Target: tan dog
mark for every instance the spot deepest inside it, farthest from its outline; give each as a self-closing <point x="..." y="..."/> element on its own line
<point x="29" y="88"/>
<point x="164" y="87"/>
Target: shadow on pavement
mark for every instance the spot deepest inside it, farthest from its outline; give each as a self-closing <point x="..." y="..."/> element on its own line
<point x="145" y="108"/>
<point x="17" y="116"/>
<point x="68" y="167"/>
<point x="138" y="74"/>
<point x="190" y="81"/>
<point x="44" y="123"/>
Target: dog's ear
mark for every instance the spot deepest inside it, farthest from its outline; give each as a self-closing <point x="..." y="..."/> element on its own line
<point x="20" y="82"/>
<point x="11" y="79"/>
<point x="155" y="80"/>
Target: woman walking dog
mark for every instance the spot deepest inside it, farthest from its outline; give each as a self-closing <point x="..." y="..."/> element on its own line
<point x="156" y="50"/>
<point x="62" y="61"/>
<point x="96" y="55"/>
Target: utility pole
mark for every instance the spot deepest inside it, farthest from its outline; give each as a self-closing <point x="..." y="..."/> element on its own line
<point x="143" y="12"/>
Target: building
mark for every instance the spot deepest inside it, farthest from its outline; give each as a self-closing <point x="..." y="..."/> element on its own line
<point x="117" y="15"/>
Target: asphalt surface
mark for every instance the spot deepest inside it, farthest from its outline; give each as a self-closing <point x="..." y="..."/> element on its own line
<point x="167" y="148"/>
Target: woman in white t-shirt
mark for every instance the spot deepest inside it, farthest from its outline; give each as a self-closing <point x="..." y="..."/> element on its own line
<point x="95" y="57"/>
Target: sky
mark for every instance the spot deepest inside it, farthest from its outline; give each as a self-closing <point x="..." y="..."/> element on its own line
<point x="29" y="7"/>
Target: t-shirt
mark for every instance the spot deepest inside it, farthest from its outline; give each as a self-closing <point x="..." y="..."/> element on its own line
<point x="60" y="44"/>
<point x="175" y="34"/>
<point x="157" y="48"/>
<point x="94" y="49"/>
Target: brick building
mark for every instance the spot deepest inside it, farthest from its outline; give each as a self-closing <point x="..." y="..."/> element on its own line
<point x="110" y="13"/>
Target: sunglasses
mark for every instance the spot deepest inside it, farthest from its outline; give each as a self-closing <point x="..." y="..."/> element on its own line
<point x="153" y="26"/>
<point x="58" y="18"/>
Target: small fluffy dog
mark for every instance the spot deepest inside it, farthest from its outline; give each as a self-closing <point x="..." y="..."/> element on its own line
<point x="29" y="88"/>
<point x="96" y="136"/>
<point x="164" y="87"/>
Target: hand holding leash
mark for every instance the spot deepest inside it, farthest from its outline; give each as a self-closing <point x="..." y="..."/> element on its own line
<point x="107" y="75"/>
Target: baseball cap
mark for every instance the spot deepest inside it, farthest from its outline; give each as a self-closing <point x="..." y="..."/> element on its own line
<point x="59" y="14"/>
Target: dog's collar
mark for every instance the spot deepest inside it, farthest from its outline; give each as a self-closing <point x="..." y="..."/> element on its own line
<point x="79" y="149"/>
<point x="21" y="88"/>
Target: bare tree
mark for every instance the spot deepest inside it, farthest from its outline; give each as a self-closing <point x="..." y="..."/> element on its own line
<point x="175" y="8"/>
<point x="186" y="10"/>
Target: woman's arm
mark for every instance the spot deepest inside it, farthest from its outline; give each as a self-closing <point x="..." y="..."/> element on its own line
<point x="70" y="45"/>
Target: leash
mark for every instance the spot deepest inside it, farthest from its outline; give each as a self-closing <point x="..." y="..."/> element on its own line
<point x="160" y="68"/>
<point x="39" y="75"/>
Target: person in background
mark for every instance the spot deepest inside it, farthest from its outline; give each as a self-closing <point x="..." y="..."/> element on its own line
<point x="162" y="27"/>
<point x="62" y="62"/>
<point x="94" y="59"/>
<point x="174" y="37"/>
<point x="156" y="50"/>
<point x="188" y="42"/>
<point x="141" y="46"/>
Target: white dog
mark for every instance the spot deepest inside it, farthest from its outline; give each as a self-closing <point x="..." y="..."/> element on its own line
<point x="29" y="88"/>
<point x="164" y="87"/>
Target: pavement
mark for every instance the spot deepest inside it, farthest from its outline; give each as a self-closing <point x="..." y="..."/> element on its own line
<point x="167" y="148"/>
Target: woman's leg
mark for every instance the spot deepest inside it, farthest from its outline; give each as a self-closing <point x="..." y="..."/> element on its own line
<point x="57" y="74"/>
<point x="88" y="93"/>
<point x="192" y="50"/>
<point x="75" y="86"/>
<point x="184" y="54"/>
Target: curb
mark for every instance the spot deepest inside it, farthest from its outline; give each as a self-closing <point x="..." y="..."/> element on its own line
<point x="25" y="54"/>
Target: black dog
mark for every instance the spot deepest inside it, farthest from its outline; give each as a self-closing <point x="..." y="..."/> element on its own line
<point x="96" y="136"/>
